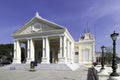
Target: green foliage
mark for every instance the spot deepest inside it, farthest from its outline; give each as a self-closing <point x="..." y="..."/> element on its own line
<point x="109" y="58"/>
<point x="7" y="50"/>
<point x="109" y="55"/>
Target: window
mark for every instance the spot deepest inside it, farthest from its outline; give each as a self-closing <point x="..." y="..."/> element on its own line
<point x="36" y="28"/>
<point x="76" y="53"/>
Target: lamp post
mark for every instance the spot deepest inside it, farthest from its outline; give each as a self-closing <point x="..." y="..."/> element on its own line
<point x="114" y="64"/>
<point x="102" y="59"/>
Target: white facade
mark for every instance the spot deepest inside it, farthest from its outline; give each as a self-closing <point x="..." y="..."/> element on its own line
<point x="85" y="49"/>
<point x="48" y="42"/>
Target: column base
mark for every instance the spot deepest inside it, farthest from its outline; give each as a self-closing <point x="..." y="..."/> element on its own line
<point x="69" y="60"/>
<point x="114" y="78"/>
<point x="16" y="61"/>
<point x="62" y="60"/>
<point x="29" y="60"/>
<point x="45" y="61"/>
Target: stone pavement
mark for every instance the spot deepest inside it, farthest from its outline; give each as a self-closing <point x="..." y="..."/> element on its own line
<point x="80" y="74"/>
<point x="104" y="74"/>
<point x="108" y="69"/>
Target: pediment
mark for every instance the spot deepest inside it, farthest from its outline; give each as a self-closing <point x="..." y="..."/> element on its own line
<point x="37" y="25"/>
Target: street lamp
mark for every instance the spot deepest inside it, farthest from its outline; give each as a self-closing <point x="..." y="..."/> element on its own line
<point x="102" y="59"/>
<point x="114" y="64"/>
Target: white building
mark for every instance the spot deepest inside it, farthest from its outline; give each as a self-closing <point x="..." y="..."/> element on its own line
<point x="47" y="42"/>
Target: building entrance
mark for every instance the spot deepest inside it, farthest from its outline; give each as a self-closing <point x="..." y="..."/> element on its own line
<point x="38" y="51"/>
<point x="52" y="57"/>
<point x="54" y="49"/>
<point x="76" y="59"/>
<point x="38" y="57"/>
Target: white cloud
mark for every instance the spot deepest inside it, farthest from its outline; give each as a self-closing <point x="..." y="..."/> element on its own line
<point x="101" y="9"/>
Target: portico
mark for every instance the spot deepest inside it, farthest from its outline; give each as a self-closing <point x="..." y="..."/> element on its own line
<point x="45" y="49"/>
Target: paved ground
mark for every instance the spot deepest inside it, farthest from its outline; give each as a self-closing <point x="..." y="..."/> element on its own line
<point x="80" y="74"/>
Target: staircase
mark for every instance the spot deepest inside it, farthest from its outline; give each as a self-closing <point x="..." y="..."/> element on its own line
<point x="16" y="67"/>
<point x="53" y="67"/>
<point x="39" y="67"/>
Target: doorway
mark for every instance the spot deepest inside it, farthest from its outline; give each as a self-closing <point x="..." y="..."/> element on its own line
<point x="76" y="57"/>
<point x="38" y="57"/>
<point x="52" y="55"/>
<point x="54" y="49"/>
<point x="38" y="50"/>
<point x="23" y="53"/>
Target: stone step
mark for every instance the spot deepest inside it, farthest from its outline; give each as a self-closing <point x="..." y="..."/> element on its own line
<point x="39" y="67"/>
<point x="16" y="67"/>
<point x="53" y="67"/>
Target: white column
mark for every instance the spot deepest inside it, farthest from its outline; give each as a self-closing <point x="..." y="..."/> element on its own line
<point x="80" y="54"/>
<point x="68" y="51"/>
<point x="28" y="49"/>
<point x="62" y="52"/>
<point x="64" y="49"/>
<point x="32" y="51"/>
<point x="15" y="48"/>
<point x="93" y="55"/>
<point x="61" y="47"/>
<point x="18" y="51"/>
<point x="17" y="56"/>
<point x="43" y="48"/>
<point x="47" y="50"/>
<point x="72" y="52"/>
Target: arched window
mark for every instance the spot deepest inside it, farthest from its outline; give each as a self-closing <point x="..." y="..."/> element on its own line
<point x="36" y="27"/>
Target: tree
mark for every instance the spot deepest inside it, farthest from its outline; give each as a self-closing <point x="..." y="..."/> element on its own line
<point x="109" y="55"/>
<point x="7" y="50"/>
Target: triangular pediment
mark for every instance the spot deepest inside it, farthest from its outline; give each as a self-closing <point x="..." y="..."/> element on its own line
<point x="38" y="25"/>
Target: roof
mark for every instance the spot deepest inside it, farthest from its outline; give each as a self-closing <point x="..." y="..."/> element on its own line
<point x="38" y="18"/>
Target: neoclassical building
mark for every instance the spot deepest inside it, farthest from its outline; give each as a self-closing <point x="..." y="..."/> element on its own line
<point x="47" y="42"/>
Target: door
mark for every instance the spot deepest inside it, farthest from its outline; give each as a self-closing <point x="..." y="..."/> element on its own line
<point x="76" y="57"/>
<point x="51" y="57"/>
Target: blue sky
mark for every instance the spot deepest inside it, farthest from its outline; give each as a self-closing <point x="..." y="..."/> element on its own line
<point x="101" y="16"/>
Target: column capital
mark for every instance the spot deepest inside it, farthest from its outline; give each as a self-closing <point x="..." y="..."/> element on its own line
<point x="61" y="35"/>
<point x="44" y="36"/>
<point x="16" y="39"/>
<point x="28" y="38"/>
